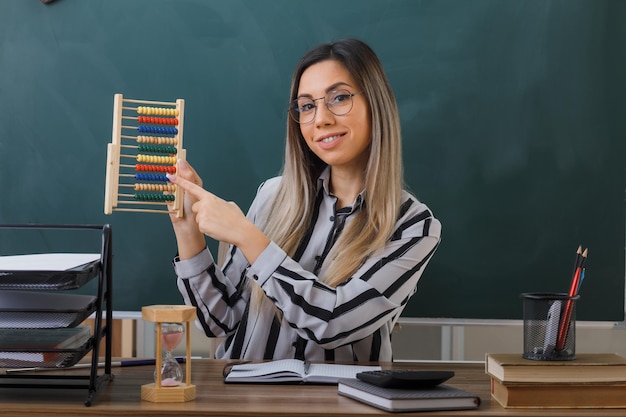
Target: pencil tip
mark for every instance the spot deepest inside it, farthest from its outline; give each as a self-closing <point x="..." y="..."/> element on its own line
<point x="585" y="253"/>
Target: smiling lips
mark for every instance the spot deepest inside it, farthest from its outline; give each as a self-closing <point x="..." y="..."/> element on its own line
<point x="330" y="141"/>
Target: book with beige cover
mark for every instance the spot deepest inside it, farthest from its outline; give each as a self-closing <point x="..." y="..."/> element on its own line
<point x="559" y="395"/>
<point x="586" y="368"/>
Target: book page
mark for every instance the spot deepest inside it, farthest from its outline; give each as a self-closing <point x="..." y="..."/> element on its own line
<point x="331" y="372"/>
<point x="274" y="369"/>
<point x="288" y="370"/>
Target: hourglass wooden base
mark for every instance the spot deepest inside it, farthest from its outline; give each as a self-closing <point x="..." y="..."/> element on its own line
<point x="156" y="392"/>
<point x="180" y="394"/>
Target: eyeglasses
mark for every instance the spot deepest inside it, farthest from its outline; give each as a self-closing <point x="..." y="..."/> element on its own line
<point x="338" y="102"/>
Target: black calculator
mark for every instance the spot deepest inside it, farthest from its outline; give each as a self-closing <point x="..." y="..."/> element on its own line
<point x="408" y="378"/>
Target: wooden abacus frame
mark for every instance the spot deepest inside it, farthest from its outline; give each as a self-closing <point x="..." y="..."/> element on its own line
<point x="152" y="135"/>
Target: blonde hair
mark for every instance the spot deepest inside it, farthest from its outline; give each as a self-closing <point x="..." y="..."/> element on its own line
<point x="287" y="219"/>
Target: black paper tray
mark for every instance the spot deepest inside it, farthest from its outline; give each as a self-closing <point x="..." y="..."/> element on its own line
<point x="44" y="358"/>
<point x="37" y="310"/>
<point x="49" y="280"/>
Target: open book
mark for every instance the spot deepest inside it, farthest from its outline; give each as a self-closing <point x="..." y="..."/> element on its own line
<point x="294" y="371"/>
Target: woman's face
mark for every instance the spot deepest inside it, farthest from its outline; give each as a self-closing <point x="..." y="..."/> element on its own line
<point x="340" y="141"/>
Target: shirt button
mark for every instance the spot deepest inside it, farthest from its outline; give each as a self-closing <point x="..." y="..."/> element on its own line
<point x="332" y="218"/>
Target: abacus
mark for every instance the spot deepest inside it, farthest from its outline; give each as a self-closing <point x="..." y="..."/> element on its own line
<point x="150" y="134"/>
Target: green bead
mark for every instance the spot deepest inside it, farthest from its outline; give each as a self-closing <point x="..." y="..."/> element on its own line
<point x="159" y="149"/>
<point x="154" y="197"/>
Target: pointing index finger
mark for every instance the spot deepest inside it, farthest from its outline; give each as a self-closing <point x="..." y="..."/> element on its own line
<point x="194" y="189"/>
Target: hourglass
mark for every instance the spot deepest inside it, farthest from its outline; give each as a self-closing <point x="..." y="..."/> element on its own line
<point x="171" y="372"/>
<point x="168" y="375"/>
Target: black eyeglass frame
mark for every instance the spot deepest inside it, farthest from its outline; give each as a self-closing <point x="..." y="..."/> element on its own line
<point x="294" y="113"/>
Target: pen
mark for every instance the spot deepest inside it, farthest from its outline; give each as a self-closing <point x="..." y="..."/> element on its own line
<point x="114" y="364"/>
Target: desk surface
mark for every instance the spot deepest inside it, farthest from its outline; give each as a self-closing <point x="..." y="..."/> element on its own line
<point x="121" y="397"/>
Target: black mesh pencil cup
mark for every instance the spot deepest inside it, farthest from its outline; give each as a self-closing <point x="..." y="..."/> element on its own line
<point x="549" y="326"/>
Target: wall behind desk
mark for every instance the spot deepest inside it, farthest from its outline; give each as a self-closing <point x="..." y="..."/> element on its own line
<point x="512" y="114"/>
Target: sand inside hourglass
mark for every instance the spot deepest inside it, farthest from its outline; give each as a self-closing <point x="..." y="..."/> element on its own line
<point x="170" y="340"/>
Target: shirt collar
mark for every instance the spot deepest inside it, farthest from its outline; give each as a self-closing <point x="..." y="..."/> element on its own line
<point x="324" y="182"/>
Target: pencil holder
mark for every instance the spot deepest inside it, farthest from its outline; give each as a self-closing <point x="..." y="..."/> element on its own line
<point x="549" y="326"/>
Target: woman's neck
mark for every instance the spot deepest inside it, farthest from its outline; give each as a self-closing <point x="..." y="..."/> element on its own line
<point x="345" y="186"/>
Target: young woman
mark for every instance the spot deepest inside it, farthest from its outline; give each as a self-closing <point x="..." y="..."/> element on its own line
<point x="331" y="251"/>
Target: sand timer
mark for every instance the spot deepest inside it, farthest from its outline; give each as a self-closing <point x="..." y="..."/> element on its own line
<point x="172" y="324"/>
<point x="171" y="372"/>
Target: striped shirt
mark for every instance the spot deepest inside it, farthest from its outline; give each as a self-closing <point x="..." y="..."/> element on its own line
<point x="352" y="322"/>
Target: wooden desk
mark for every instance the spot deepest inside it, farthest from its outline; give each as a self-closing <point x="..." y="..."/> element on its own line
<point x="122" y="397"/>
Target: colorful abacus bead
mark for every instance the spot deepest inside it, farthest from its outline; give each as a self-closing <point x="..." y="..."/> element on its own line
<point x="157" y="120"/>
<point x="157" y="130"/>
<point x="155" y="187"/>
<point x="154" y="197"/>
<point x="156" y="159"/>
<point x="161" y="149"/>
<point x="160" y="111"/>
<point x="171" y="169"/>
<point x="157" y="140"/>
<point x="151" y="177"/>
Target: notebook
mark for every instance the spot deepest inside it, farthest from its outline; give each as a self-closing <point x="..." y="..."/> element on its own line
<point x="440" y="397"/>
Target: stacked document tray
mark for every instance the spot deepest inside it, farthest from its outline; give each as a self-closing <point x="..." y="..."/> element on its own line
<point x="38" y="328"/>
<point x="15" y="275"/>
<point x="43" y="347"/>
<point x="35" y="310"/>
<point x="41" y="317"/>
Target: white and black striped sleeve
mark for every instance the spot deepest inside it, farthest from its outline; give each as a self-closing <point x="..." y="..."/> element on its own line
<point x="220" y="299"/>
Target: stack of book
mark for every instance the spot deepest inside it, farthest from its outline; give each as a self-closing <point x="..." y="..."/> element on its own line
<point x="592" y="380"/>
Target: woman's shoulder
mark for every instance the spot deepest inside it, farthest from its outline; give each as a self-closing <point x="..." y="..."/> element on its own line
<point x="412" y="207"/>
<point x="410" y="202"/>
<point x="266" y="192"/>
<point x="269" y="186"/>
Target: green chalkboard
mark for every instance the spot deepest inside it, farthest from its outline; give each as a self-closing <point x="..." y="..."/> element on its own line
<point x="512" y="114"/>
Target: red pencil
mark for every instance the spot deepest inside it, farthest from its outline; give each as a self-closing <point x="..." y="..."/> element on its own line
<point x="567" y="314"/>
